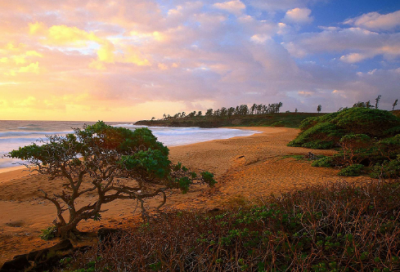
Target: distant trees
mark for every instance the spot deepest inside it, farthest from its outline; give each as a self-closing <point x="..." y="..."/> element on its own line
<point x="240" y="110"/>
<point x="253" y="108"/>
<point x="192" y="114"/>
<point x="258" y="109"/>
<point x="231" y="110"/>
<point x="366" y="104"/>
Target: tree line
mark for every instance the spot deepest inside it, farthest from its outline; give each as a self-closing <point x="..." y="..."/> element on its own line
<point x="258" y="109"/>
<point x="240" y="110"/>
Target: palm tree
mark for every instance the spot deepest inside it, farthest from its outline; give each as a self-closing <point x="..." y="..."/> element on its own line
<point x="279" y="106"/>
<point x="259" y="107"/>
<point x="231" y="110"/>
<point x="237" y="111"/>
<point x="253" y="108"/>
<point x="377" y="101"/>
<point x="223" y="112"/>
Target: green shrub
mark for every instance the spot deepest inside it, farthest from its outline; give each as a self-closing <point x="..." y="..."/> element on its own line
<point x="372" y="122"/>
<point x="278" y="124"/>
<point x="393" y="131"/>
<point x="388" y="169"/>
<point x="365" y="135"/>
<point x="330" y="128"/>
<point x="352" y="170"/>
<point x="319" y="144"/>
<point x="323" y="162"/>
<point x="320" y="136"/>
<point x="308" y="122"/>
<point x="389" y="147"/>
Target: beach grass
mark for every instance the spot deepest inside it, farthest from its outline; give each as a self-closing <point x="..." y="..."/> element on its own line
<point x="328" y="227"/>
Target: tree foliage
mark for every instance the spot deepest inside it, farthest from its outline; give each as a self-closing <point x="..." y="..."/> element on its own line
<point x="240" y="110"/>
<point x="112" y="163"/>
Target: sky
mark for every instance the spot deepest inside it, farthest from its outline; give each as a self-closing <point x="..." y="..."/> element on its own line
<point x="128" y="60"/>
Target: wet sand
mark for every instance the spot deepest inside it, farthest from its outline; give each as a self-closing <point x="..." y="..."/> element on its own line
<point x="252" y="166"/>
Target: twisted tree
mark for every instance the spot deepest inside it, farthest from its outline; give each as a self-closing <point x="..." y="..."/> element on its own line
<point x="112" y="163"/>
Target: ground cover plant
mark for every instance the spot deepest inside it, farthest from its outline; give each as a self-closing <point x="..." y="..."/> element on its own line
<point x="328" y="227"/>
<point x="365" y="137"/>
<point x="107" y="163"/>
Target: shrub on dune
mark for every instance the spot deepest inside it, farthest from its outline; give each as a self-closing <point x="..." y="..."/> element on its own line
<point x="366" y="136"/>
<point x="352" y="170"/>
<point x="332" y="127"/>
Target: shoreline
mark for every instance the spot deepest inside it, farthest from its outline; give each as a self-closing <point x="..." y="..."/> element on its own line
<point x="19" y="167"/>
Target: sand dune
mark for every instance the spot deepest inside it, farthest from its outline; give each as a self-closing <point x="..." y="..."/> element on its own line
<point x="244" y="166"/>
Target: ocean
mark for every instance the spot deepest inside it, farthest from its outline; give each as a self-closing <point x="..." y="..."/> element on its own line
<point x="15" y="134"/>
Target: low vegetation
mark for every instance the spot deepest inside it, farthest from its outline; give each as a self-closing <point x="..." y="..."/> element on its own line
<point x="286" y="119"/>
<point x="368" y="141"/>
<point x="328" y="227"/>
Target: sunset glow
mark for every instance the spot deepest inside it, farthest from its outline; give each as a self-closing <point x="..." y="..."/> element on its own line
<point x="129" y="60"/>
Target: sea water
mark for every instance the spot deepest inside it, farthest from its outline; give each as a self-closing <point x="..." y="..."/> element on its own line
<point x="15" y="134"/>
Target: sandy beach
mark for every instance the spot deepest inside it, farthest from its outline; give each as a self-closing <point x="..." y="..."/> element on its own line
<point x="247" y="167"/>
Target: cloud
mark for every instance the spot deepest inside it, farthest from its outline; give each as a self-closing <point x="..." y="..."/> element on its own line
<point x="273" y="5"/>
<point x="31" y="68"/>
<point x="353" y="57"/>
<point x="61" y="35"/>
<point x="37" y="28"/>
<point x="358" y="44"/>
<point x="235" y="6"/>
<point x="376" y="21"/>
<point x="305" y="93"/>
<point x="299" y="16"/>
<point x="260" y="38"/>
<point x="135" y="59"/>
